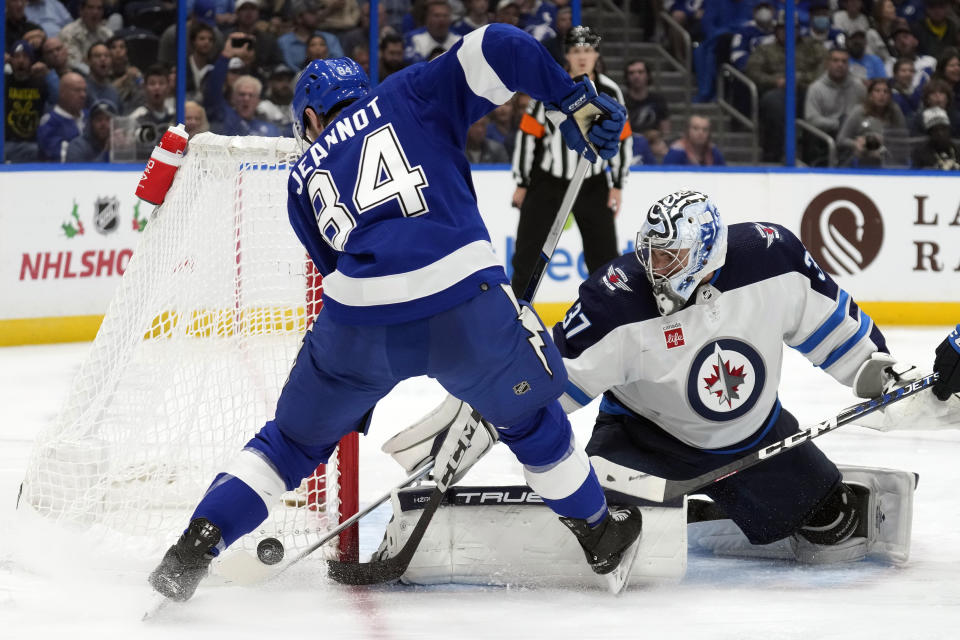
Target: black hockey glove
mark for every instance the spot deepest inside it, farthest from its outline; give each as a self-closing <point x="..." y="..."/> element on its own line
<point x="947" y="364"/>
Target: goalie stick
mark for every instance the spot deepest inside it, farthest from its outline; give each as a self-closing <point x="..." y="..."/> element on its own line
<point x="649" y="487"/>
<point x="392" y="568"/>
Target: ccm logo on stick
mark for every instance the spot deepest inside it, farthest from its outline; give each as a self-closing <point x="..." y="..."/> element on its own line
<point x="798" y="438"/>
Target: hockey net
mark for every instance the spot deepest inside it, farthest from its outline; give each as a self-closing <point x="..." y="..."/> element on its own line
<point x="189" y="362"/>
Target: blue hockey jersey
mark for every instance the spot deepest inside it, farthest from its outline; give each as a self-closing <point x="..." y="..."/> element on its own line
<point x="709" y="373"/>
<point x="383" y="199"/>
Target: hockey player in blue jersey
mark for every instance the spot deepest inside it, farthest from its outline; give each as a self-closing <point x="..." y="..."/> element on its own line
<point x="684" y="342"/>
<point x="383" y="202"/>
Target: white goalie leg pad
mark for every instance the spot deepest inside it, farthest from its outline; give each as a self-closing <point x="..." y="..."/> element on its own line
<point x="889" y="510"/>
<point x="504" y="535"/>
<point x="887" y="515"/>
<point x="255" y="471"/>
<point x="435" y="436"/>
<point x="724" y="538"/>
<point x="416" y="444"/>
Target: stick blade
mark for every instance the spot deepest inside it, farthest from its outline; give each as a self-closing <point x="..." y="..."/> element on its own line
<point x="367" y="573"/>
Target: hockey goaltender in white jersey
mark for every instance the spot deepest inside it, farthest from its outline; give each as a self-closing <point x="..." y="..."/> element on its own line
<point x="684" y="342"/>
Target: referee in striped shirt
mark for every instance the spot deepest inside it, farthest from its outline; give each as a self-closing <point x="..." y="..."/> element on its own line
<point x="543" y="167"/>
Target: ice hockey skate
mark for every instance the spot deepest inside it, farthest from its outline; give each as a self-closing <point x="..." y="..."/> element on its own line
<point x="186" y="563"/>
<point x="611" y="547"/>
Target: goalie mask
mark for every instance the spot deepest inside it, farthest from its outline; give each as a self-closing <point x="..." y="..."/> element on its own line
<point x="324" y="85"/>
<point x="682" y="240"/>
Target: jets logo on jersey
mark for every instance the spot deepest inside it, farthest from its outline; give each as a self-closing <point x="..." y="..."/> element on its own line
<point x="615" y="279"/>
<point x="673" y="335"/>
<point x="769" y="234"/>
<point x="725" y="379"/>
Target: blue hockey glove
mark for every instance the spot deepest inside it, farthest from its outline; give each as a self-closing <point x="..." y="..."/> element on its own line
<point x="947" y="364"/>
<point x="590" y="123"/>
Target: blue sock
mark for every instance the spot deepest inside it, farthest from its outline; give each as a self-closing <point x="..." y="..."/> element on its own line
<point x="586" y="503"/>
<point x="233" y="506"/>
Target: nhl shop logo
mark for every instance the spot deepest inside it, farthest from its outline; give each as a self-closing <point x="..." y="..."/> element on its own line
<point x="673" y="335"/>
<point x="106" y="215"/>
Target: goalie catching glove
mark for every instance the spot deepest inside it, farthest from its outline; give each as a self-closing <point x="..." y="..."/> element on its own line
<point x="590" y="123"/>
<point x="434" y="437"/>
<point x="881" y="373"/>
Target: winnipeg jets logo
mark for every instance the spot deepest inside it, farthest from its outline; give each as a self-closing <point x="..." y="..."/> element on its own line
<point x="725" y="379"/>
<point x="767" y="233"/>
<point x="615" y="279"/>
<point x="531" y="323"/>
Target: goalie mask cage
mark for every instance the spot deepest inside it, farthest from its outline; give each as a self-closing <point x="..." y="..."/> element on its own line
<point x="189" y="362"/>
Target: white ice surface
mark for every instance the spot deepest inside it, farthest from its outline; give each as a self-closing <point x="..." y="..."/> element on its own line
<point x="48" y="592"/>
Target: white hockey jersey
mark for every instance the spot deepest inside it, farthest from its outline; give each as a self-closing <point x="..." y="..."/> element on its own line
<point x="708" y="374"/>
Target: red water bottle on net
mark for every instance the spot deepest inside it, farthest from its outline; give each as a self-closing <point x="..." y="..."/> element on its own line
<point x="162" y="166"/>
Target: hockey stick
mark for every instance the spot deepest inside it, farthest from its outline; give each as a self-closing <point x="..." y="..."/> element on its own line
<point x="649" y="487"/>
<point x="266" y="572"/>
<point x="393" y="567"/>
<point x="343" y="526"/>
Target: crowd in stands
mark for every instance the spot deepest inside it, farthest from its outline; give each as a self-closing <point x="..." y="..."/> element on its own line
<point x="85" y="77"/>
<point x="868" y="73"/>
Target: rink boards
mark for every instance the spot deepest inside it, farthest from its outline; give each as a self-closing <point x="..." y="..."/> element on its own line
<point x="891" y="239"/>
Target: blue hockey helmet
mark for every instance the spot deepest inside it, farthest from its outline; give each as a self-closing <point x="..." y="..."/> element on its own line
<point x="681" y="240"/>
<point x="324" y="84"/>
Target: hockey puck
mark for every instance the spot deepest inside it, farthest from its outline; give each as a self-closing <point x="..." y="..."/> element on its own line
<point x="270" y="551"/>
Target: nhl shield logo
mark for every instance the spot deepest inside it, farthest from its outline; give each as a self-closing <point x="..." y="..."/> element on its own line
<point x="106" y="215"/>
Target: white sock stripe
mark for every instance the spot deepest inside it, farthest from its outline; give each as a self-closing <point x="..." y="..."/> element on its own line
<point x="481" y="78"/>
<point x="223" y="478"/>
<point x="258" y="473"/>
<point x="559" y="480"/>
<point x="411" y="285"/>
<point x="598" y="516"/>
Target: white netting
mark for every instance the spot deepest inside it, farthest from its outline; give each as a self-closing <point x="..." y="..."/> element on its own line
<point x="190" y="360"/>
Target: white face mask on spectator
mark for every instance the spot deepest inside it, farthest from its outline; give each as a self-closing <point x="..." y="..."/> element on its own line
<point x="764" y="17"/>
